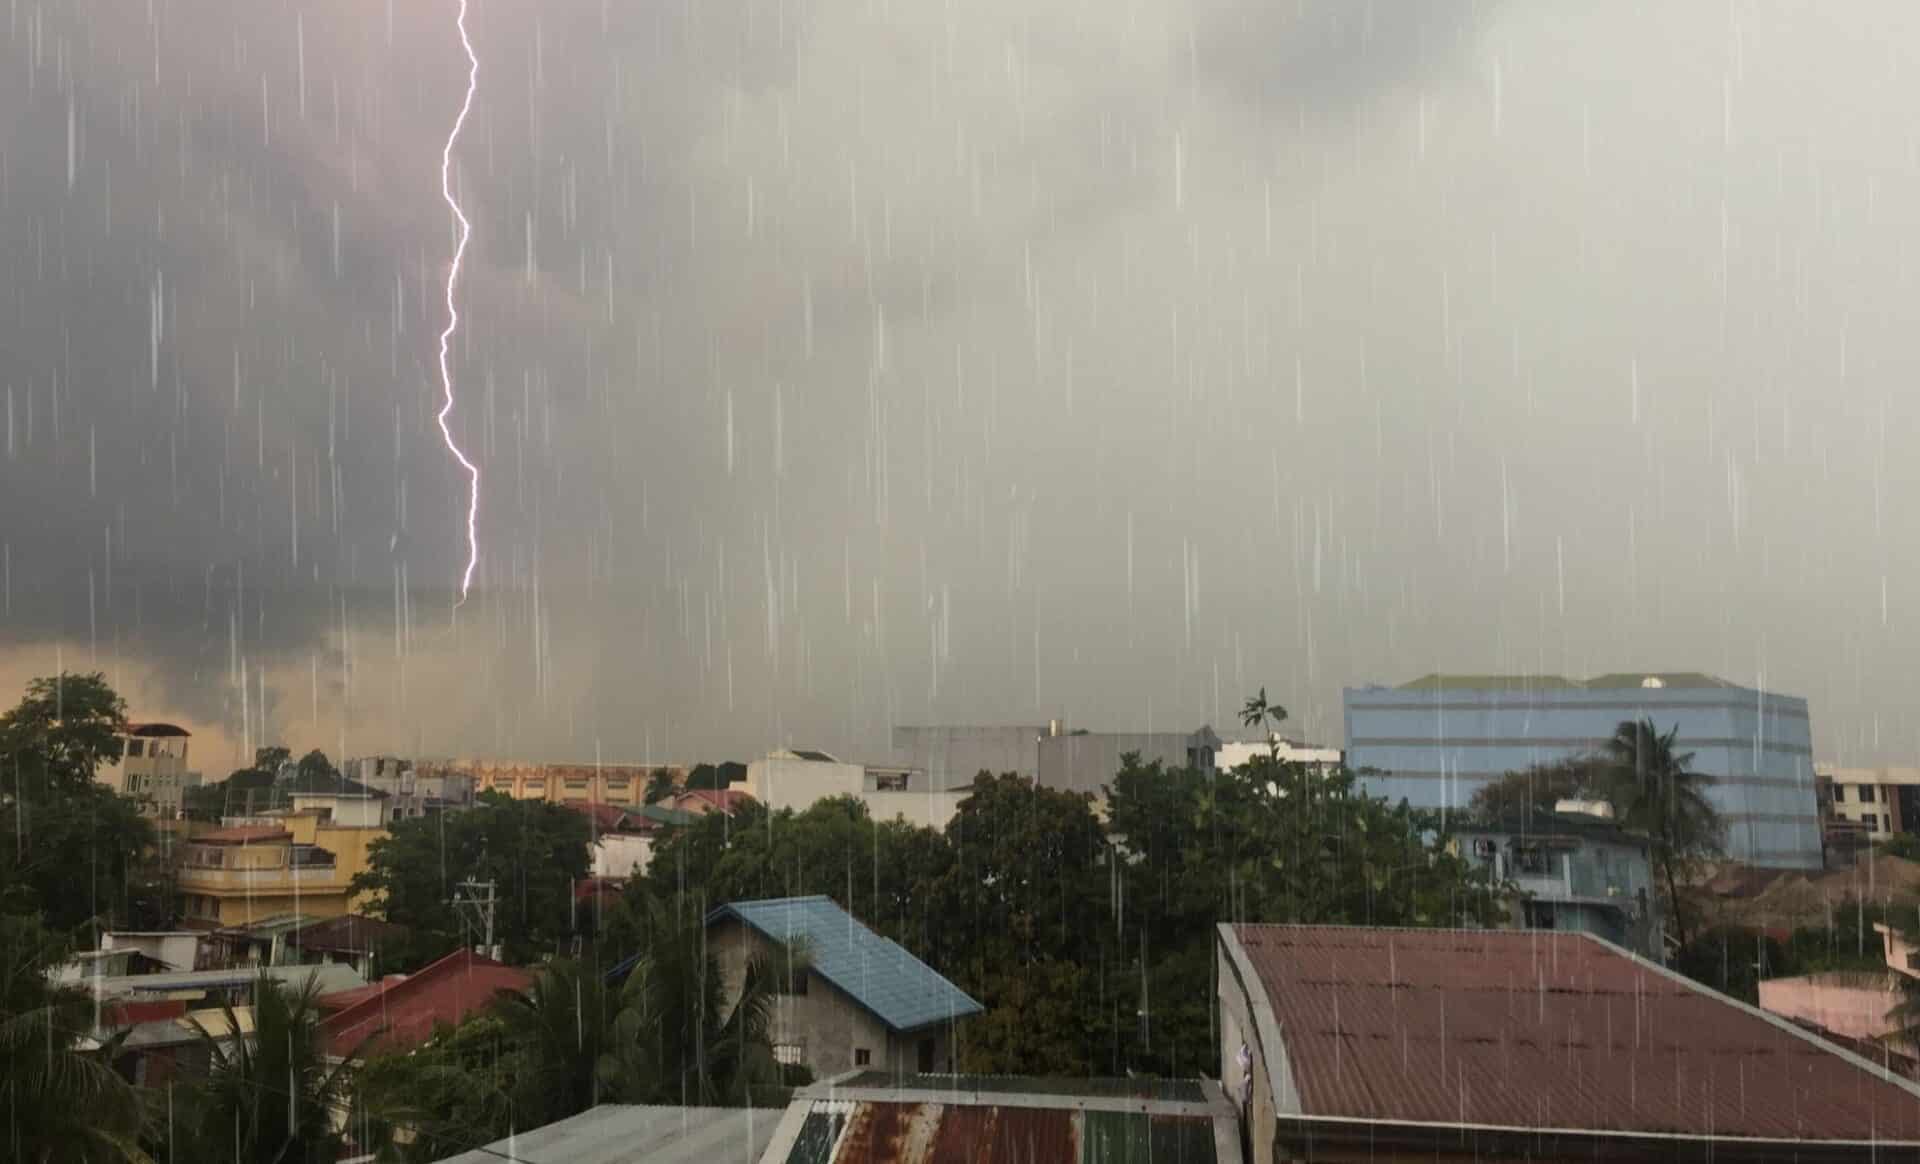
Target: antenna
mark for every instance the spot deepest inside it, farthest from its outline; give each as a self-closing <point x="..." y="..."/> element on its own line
<point x="473" y="901"/>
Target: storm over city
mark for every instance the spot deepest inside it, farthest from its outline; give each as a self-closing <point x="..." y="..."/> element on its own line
<point x="1148" y="550"/>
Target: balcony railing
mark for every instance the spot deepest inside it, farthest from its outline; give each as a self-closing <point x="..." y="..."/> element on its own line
<point x="276" y="880"/>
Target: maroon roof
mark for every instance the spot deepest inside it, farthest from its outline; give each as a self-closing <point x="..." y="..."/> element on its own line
<point x="404" y="1013"/>
<point x="1542" y="1030"/>
<point x="725" y="799"/>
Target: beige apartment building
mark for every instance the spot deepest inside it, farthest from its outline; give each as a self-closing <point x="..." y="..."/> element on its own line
<point x="151" y="767"/>
<point x="558" y="783"/>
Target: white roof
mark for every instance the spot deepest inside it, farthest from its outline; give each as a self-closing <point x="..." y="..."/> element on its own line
<point x="330" y="977"/>
<point x="616" y="1133"/>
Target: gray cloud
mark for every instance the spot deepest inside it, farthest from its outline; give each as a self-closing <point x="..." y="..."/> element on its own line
<point x="835" y="365"/>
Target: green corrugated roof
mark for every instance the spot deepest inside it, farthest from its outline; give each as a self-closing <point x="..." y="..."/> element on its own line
<point x="1126" y="1137"/>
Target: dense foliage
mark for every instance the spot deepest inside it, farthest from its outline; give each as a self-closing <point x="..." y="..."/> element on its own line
<point x="533" y="851"/>
<point x="1091" y="941"/>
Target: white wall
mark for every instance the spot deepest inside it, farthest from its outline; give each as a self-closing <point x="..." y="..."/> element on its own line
<point x="621" y="855"/>
<point x="351" y="812"/>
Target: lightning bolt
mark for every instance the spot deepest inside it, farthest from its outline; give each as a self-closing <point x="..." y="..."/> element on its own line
<point x="453" y="311"/>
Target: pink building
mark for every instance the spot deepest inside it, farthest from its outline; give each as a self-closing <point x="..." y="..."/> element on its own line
<point x="1847" y="1002"/>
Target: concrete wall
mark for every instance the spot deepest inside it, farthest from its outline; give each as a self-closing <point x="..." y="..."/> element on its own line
<point x="1853" y="1004"/>
<point x="952" y="755"/>
<point x="1089" y="762"/>
<point x="825" y="1023"/>
<point x="621" y="855"/>
<point x="1237" y="992"/>
<point x="1434" y="747"/>
<point x="787" y="782"/>
<point x="358" y="811"/>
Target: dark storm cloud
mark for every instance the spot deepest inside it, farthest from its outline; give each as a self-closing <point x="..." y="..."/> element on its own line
<point x="832" y="365"/>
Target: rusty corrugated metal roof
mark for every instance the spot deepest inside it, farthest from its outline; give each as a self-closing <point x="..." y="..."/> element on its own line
<point x="839" y="1132"/>
<point x="1542" y="1030"/>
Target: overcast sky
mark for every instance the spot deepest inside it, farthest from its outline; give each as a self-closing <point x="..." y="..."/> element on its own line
<point x="831" y="365"/>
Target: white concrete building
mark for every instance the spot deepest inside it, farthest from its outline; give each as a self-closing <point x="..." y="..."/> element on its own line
<point x="151" y="767"/>
<point x="797" y="778"/>
<point x="1233" y="753"/>
<point x="1883" y="801"/>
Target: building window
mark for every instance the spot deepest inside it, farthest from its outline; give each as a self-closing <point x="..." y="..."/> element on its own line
<point x="1529" y="861"/>
<point x="136" y="747"/>
<point x="862" y="1057"/>
<point x="1866" y="794"/>
<point x="788" y="1054"/>
<point x="889" y="781"/>
<point x="1839" y="794"/>
<point x="925" y="1065"/>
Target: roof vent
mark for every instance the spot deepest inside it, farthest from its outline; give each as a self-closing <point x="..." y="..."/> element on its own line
<point x="1653" y="681"/>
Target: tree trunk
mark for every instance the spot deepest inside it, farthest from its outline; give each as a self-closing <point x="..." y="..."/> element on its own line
<point x="1673" y="903"/>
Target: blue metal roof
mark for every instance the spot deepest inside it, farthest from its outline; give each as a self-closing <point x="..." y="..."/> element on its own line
<point x="901" y="990"/>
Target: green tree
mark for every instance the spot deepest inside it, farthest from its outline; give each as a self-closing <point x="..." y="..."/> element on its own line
<point x="245" y="790"/>
<point x="62" y="1101"/>
<point x="77" y="858"/>
<point x="315" y="767"/>
<point x="1656" y="792"/>
<point x="272" y="1096"/>
<point x="1538" y="787"/>
<point x="660" y="785"/>
<point x="62" y="729"/>
<point x="531" y="850"/>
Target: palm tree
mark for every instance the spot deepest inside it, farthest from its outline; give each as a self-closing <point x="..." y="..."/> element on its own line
<point x="559" y="1028"/>
<point x="61" y="1097"/>
<point x="270" y="1097"/>
<point x="1657" y="792"/>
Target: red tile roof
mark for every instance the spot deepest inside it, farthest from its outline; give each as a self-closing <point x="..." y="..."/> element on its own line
<point x="404" y="1013"/>
<point x="1541" y="1030"/>
<point x="242" y="835"/>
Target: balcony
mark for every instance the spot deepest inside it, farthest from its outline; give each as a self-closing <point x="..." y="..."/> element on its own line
<point x="277" y="879"/>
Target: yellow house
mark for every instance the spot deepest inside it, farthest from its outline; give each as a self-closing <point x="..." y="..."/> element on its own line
<point x="299" y="862"/>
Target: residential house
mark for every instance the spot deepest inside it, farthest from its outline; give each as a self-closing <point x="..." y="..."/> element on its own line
<point x="402" y="1011"/>
<point x="150" y="765"/>
<point x="874" y="1117"/>
<point x="1877" y="802"/>
<point x="413" y="790"/>
<point x="701" y="801"/>
<point x="850" y="998"/>
<point x="296" y="864"/>
<point x="1574" y="870"/>
<point x="337" y="800"/>
<point x="1349" y="1043"/>
<point x="623" y="837"/>
<point x="796" y="778"/>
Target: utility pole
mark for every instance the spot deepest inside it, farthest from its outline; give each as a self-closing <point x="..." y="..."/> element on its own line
<point x="473" y="901"/>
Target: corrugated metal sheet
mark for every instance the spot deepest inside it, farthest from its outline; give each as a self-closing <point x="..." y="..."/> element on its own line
<point x="1117" y="1137"/>
<point x="1182" y="1090"/>
<point x="935" y="1133"/>
<point x="626" y="1134"/>
<point x="818" y="1134"/>
<point x="1544" y="1030"/>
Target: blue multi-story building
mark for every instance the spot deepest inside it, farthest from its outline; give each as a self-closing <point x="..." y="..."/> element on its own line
<point x="1435" y="740"/>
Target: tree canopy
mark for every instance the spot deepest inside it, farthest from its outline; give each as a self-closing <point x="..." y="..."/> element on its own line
<point x="531" y="850"/>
